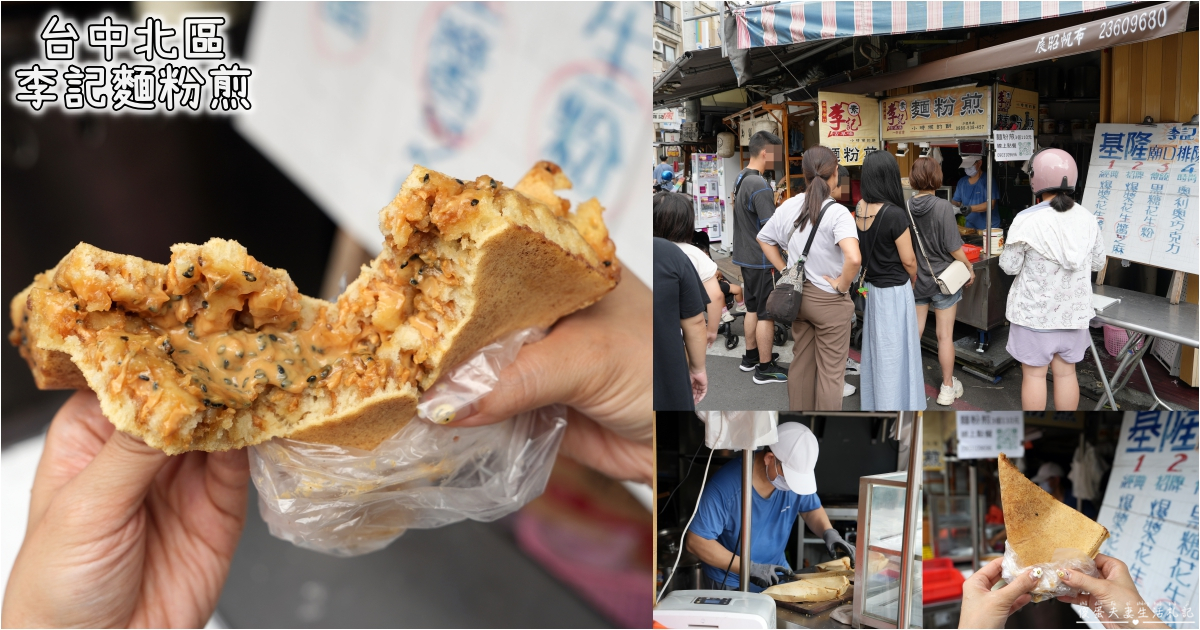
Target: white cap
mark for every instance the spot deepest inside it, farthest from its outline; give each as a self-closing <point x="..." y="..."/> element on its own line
<point x="797" y="451"/>
<point x="968" y="160"/>
<point x="1046" y="471"/>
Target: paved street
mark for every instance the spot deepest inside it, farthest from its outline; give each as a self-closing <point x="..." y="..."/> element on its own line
<point x="729" y="388"/>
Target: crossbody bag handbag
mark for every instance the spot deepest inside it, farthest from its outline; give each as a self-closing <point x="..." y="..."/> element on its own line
<point x="783" y="304"/>
<point x="953" y="277"/>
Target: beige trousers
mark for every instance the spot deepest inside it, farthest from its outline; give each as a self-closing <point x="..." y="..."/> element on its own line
<point x="822" y="343"/>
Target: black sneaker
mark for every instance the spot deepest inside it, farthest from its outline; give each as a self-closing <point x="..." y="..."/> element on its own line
<point x="772" y="374"/>
<point x="748" y="364"/>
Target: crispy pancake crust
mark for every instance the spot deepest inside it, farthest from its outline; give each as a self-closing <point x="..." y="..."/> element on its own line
<point x="1037" y="523"/>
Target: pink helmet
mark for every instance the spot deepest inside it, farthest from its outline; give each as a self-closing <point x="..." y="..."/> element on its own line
<point x="1052" y="169"/>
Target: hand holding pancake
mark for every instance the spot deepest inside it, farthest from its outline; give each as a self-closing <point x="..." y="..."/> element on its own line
<point x="597" y="362"/>
<point x="984" y="608"/>
<point x="1114" y="591"/>
<point x="120" y="534"/>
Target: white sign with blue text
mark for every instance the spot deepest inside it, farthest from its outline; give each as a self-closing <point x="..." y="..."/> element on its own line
<point x="1141" y="185"/>
<point x="1150" y="510"/>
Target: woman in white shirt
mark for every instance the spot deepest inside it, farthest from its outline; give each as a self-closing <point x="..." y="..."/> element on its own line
<point x="1051" y="248"/>
<point x="822" y="327"/>
<point x="674" y="220"/>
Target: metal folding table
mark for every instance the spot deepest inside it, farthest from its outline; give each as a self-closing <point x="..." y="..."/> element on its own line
<point x="1146" y="317"/>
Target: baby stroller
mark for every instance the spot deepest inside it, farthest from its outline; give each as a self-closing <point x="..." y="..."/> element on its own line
<point x="702" y="242"/>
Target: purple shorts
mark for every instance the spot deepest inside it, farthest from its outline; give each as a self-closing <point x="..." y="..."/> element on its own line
<point x="1037" y="348"/>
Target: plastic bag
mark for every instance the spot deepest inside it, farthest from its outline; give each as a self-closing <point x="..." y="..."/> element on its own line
<point x="348" y="501"/>
<point x="1050" y="584"/>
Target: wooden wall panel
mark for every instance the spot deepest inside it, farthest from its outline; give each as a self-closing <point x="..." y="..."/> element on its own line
<point x="1120" y="84"/>
<point x="1189" y="73"/>
<point x="1137" y="76"/>
<point x="1169" y="110"/>
<point x="1152" y="79"/>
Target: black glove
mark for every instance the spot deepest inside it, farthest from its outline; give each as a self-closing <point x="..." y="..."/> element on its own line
<point x="766" y="575"/>
<point x="835" y="543"/>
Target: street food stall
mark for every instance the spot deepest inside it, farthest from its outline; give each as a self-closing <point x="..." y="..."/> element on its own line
<point x="786" y="120"/>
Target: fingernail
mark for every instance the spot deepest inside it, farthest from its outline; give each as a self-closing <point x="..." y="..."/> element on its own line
<point x="1036" y="573"/>
<point x="1066" y="575"/>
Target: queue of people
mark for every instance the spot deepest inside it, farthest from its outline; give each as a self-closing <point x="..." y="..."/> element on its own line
<point x="889" y="256"/>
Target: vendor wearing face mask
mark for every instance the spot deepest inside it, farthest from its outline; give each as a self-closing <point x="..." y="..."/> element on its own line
<point x="784" y="487"/>
<point x="970" y="194"/>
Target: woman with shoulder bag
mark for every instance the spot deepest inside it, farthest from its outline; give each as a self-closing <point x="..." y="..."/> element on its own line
<point x="940" y="253"/>
<point x="892" y="378"/>
<point x="821" y="329"/>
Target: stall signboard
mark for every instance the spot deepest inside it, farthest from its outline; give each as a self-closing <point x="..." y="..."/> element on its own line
<point x="946" y="113"/>
<point x="707" y="187"/>
<point x="1141" y="185"/>
<point x="1013" y="146"/>
<point x="1150" y="510"/>
<point x="849" y="125"/>
<point x="1016" y="109"/>
<point x="986" y="434"/>
<point x="670" y="118"/>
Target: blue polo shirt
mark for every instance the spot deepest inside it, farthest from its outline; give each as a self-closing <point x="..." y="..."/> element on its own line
<point x="719" y="518"/>
<point x="969" y="194"/>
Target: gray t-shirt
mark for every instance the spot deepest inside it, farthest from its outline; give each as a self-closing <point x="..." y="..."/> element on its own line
<point x="753" y="207"/>
<point x="939" y="233"/>
<point x="825" y="257"/>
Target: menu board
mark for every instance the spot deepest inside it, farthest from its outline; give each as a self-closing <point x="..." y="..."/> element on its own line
<point x="849" y="125"/>
<point x="1150" y="510"/>
<point x="951" y="112"/>
<point x="986" y="434"/>
<point x="1016" y="109"/>
<point x="1141" y="185"/>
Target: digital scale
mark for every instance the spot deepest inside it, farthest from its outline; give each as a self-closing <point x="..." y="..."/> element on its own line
<point x="715" y="609"/>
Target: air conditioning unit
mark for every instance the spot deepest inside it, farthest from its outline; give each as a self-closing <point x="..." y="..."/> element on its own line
<point x="658" y="46"/>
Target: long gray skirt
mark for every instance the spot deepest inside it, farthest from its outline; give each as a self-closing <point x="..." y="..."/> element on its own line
<point x="892" y="379"/>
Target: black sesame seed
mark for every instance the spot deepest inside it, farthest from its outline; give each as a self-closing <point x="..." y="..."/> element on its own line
<point x="226" y="364"/>
<point x="272" y="337"/>
<point x="426" y="177"/>
<point x="474" y="202"/>
<point x="168" y="347"/>
<point x="262" y="343"/>
<point x="203" y="388"/>
<point x="239" y="354"/>
<point x="228" y="382"/>
<point x="124" y="338"/>
<point x="311" y="379"/>
<point x="143" y="377"/>
<point x="413" y="281"/>
<point x="549" y="170"/>
<point x="325" y="371"/>
<point x="201" y="366"/>
<point x="176" y="369"/>
<point x="188" y="273"/>
<point x="493" y="183"/>
<point x="414" y="257"/>
<point x="192" y="334"/>
<point x="176" y="298"/>
<point x="460" y="182"/>
<point x="188" y="324"/>
<point x="608" y="263"/>
<point x="77" y="307"/>
<point x="293" y="326"/>
<point x="155" y="385"/>
<point x="249" y="276"/>
<point x="217" y="404"/>
<point x="421" y="271"/>
<point x="281" y="369"/>
<point x="244" y="381"/>
<point x="404" y="264"/>
<point x="207" y="402"/>
<point x="204" y="304"/>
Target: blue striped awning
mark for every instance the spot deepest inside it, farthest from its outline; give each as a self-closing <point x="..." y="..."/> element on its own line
<point x="793" y="22"/>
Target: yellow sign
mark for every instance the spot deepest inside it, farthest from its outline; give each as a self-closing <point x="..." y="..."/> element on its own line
<point x="849" y="125"/>
<point x="949" y="113"/>
<point x="1016" y="109"/>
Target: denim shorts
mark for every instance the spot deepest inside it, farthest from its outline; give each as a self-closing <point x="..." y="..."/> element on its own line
<point x="941" y="302"/>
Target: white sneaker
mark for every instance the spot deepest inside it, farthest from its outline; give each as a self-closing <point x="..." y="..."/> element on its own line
<point x="852" y="366"/>
<point x="948" y="393"/>
<point x="738" y="308"/>
<point x="847" y="389"/>
<point x="726" y="316"/>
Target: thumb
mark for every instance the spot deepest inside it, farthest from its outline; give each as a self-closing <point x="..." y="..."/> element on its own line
<point x="1086" y="583"/>
<point x="121" y="473"/>
<point x="537" y="378"/>
<point x="1021" y="583"/>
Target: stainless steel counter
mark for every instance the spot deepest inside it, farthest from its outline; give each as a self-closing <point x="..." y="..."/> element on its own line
<point x="983" y="303"/>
